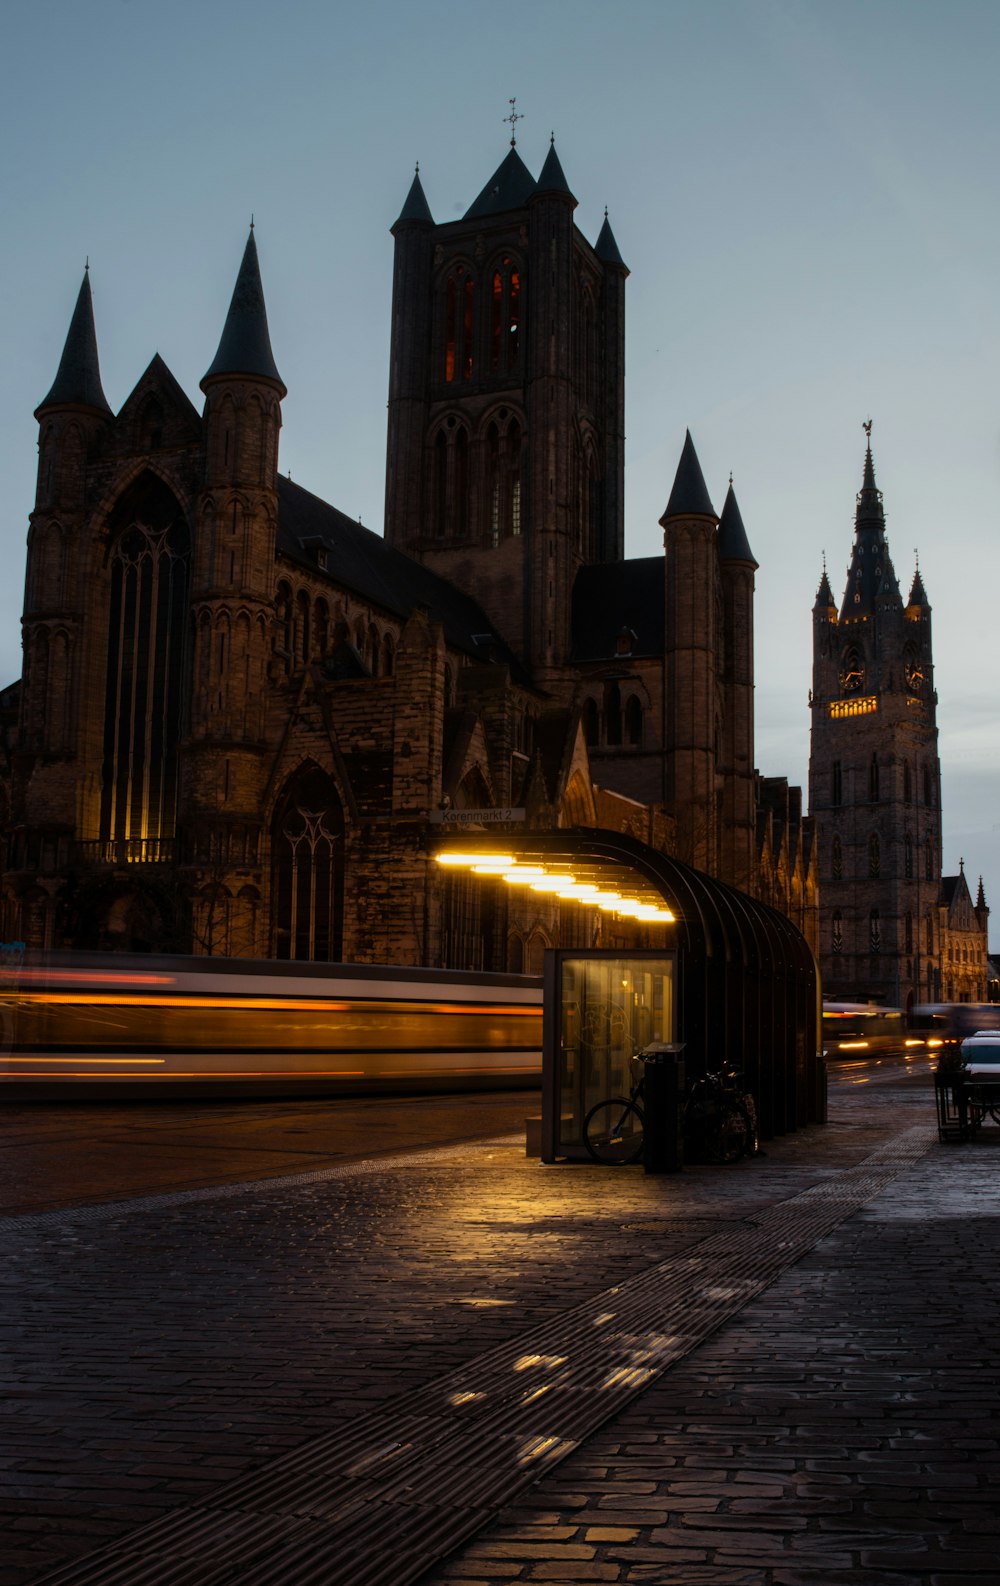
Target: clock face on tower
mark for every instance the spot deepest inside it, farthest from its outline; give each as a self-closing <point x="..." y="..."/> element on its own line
<point x="914" y="677"/>
<point x="852" y="674"/>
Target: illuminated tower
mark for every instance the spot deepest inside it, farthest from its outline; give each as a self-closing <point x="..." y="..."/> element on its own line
<point x="874" y="775"/>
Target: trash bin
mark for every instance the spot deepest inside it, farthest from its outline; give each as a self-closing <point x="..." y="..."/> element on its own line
<point x="663" y="1105"/>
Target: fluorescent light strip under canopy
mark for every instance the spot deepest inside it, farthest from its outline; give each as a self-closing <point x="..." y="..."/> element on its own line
<point x="540" y="878"/>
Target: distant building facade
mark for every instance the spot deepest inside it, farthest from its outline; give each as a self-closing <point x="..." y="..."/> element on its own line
<point x="241" y="712"/>
<point x="892" y="928"/>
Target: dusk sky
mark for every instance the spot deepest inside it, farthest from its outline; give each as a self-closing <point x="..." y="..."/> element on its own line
<point x="805" y="194"/>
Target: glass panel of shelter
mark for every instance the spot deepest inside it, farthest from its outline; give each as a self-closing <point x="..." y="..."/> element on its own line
<point x="609" y="1008"/>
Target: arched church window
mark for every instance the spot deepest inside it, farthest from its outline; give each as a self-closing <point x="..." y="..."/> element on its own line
<point x="612" y="714"/>
<point x="283" y="615"/>
<point x="874" y="857"/>
<point x="505" y="315"/>
<point x="908" y="931"/>
<point x="836" y="783"/>
<point x="440" y="511"/>
<point x="307" y="849"/>
<point x="148" y="560"/>
<point x="907" y="783"/>
<point x="450" y="480"/>
<point x="928" y="787"/>
<point x="838" y="931"/>
<point x="838" y="859"/>
<point x="388" y="655"/>
<point x="633" y="720"/>
<point x="928" y="861"/>
<point x="503" y="477"/>
<point x="873" y="780"/>
<point x="302" y="627"/>
<point x="908" y="857"/>
<point x="929" y="930"/>
<point x="874" y="932"/>
<point x="321" y="626"/>
<point x="458" y="324"/>
<point x="591" y="722"/>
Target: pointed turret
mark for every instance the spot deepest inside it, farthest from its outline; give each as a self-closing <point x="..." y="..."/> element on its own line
<point x="551" y="178"/>
<point x="78" y="379"/>
<point x="918" y="595"/>
<point x="416" y="211"/>
<point x="733" y="543"/>
<point x="510" y="187"/>
<point x="245" y="348"/>
<point x="689" y="497"/>
<point x="980" y="896"/>
<point x="606" y="247"/>
<point x="825" y="602"/>
<point x="871" y="579"/>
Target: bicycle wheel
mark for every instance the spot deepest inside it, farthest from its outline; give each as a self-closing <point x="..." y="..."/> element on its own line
<point x="612" y="1131"/>
<point x="730" y="1140"/>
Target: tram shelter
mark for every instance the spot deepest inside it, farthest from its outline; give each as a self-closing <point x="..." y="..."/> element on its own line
<point x="722" y="974"/>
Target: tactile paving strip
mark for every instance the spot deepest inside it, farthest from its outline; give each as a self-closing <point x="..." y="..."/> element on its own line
<point x="380" y="1503"/>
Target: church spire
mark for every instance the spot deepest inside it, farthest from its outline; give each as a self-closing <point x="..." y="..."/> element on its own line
<point x="78" y="379"/>
<point x="551" y="178"/>
<point x="606" y="247"/>
<point x="871" y="578"/>
<point x="733" y="543"/>
<point x="416" y="210"/>
<point x="689" y="497"/>
<point x="245" y="347"/>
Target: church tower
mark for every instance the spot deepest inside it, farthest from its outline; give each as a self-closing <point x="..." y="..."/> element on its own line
<point x="505" y="454"/>
<point x="232" y="584"/>
<point x="874" y="775"/>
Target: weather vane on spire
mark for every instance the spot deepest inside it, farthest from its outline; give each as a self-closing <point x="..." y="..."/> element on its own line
<point x="514" y="117"/>
<point x="867" y="427"/>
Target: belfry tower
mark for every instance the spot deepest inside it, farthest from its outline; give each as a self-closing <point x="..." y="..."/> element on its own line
<point x="505" y="454"/>
<point x="874" y="775"/>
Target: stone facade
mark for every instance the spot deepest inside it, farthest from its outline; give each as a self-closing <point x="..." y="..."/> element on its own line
<point x="242" y="714"/>
<point x="890" y="925"/>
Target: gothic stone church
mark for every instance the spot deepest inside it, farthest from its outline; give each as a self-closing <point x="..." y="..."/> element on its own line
<point x="240" y="709"/>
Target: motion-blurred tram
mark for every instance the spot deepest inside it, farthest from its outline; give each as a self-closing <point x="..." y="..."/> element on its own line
<point x="122" y="1025"/>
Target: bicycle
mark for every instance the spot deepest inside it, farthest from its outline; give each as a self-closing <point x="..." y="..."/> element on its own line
<point x="718" y="1122"/>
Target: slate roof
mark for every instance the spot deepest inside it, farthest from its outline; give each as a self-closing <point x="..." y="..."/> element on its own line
<point x="245" y="347"/>
<point x="689" y="496"/>
<point x="551" y="177"/>
<point x="733" y="543"/>
<point x="606" y="247"/>
<point x="362" y="562"/>
<point x="416" y="207"/>
<point x="510" y="187"/>
<point x="610" y="596"/>
<point x="78" y="378"/>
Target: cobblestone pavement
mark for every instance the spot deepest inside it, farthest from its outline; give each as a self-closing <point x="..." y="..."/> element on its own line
<point x="252" y="1363"/>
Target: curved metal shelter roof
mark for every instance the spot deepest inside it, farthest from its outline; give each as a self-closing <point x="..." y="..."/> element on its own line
<point x="749" y="981"/>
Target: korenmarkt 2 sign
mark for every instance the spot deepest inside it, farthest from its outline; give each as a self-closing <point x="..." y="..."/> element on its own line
<point x="488" y="817"/>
